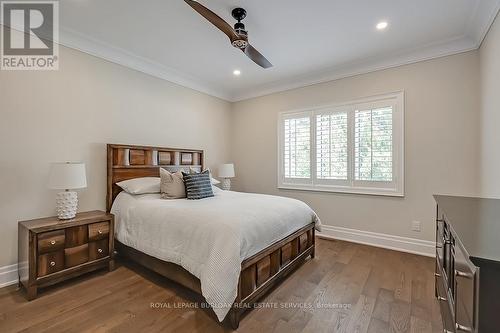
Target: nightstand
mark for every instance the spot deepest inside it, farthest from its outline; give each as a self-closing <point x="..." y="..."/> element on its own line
<point x="53" y="250"/>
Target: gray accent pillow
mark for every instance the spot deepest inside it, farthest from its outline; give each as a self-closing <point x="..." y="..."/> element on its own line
<point x="212" y="179"/>
<point x="198" y="185"/>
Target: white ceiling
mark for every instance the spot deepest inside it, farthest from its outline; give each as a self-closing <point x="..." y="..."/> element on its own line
<point x="306" y="41"/>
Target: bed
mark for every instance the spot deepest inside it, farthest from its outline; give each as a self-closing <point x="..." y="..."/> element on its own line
<point x="231" y="248"/>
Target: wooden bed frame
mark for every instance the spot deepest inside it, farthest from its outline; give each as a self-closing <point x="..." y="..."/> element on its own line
<point x="259" y="273"/>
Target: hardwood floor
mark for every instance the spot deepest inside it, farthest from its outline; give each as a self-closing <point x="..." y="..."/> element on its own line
<point x="347" y="288"/>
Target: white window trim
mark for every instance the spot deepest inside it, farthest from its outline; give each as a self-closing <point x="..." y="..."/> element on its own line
<point x="311" y="184"/>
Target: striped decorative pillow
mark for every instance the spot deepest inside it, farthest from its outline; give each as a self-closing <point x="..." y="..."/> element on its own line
<point x="198" y="185"/>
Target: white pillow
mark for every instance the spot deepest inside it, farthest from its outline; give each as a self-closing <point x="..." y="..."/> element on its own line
<point x="217" y="190"/>
<point x="141" y="185"/>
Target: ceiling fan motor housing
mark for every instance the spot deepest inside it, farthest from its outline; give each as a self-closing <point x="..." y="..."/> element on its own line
<point x="239" y="14"/>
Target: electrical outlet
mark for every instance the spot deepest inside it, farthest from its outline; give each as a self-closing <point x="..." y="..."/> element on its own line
<point x="416" y="226"/>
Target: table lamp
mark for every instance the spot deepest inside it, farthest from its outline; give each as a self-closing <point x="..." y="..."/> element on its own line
<point x="226" y="172"/>
<point x="67" y="176"/>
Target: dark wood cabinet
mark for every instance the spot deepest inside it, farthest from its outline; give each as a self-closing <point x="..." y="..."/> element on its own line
<point x="53" y="250"/>
<point x="468" y="263"/>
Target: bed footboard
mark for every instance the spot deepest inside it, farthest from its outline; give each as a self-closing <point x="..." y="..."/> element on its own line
<point x="267" y="268"/>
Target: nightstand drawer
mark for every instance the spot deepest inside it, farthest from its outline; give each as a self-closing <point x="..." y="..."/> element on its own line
<point x="98" y="249"/>
<point x="98" y="231"/>
<point x="51" y="241"/>
<point x="76" y="255"/>
<point x="50" y="263"/>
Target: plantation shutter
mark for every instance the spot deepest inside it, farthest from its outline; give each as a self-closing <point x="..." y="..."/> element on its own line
<point x="297" y="147"/>
<point x="332" y="146"/>
<point x="373" y="146"/>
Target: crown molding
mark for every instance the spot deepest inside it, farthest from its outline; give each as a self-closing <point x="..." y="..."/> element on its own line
<point x="428" y="52"/>
<point x="94" y="47"/>
<point x="481" y="19"/>
<point x="83" y="43"/>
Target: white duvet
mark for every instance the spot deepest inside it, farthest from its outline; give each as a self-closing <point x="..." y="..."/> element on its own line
<point x="208" y="237"/>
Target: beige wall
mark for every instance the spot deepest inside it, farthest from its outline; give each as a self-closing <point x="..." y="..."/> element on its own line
<point x="72" y="113"/>
<point x="442" y="98"/>
<point x="489" y="55"/>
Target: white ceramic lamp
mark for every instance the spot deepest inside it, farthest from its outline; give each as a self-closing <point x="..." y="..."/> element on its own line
<point x="67" y="176"/>
<point x="226" y="172"/>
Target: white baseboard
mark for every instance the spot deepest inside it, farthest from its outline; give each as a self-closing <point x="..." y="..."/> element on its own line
<point x="8" y="275"/>
<point x="403" y="244"/>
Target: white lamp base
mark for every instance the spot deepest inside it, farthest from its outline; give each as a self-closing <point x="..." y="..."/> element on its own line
<point x="66" y="205"/>
<point x="226" y="184"/>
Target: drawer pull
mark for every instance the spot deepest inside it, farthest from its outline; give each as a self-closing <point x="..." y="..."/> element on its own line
<point x="437" y="275"/>
<point x="52" y="263"/>
<point x="463" y="328"/>
<point x="463" y="274"/>
<point x="99" y="232"/>
<point x="99" y="250"/>
<point x="441" y="298"/>
<point x="52" y="242"/>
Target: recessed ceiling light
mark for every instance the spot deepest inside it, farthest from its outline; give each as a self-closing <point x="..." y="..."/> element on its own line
<point x="236" y="72"/>
<point x="382" y="25"/>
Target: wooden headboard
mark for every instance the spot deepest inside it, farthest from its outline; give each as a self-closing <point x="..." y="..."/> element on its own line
<point x="128" y="162"/>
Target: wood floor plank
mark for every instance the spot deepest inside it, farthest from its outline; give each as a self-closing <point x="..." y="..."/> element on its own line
<point x="340" y="321"/>
<point x="346" y="288"/>
<point x="403" y="289"/>
<point x="354" y="276"/>
<point x="418" y="325"/>
<point x="346" y="253"/>
<point x="327" y="294"/>
<point x="383" y="304"/>
<point x="378" y="326"/>
<point x="361" y="315"/>
<point x="296" y="324"/>
<point x="399" y="318"/>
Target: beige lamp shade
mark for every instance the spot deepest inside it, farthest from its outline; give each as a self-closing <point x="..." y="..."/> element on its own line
<point x="226" y="171"/>
<point x="66" y="176"/>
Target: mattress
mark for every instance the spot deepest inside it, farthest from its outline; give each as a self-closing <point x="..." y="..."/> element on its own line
<point x="210" y="237"/>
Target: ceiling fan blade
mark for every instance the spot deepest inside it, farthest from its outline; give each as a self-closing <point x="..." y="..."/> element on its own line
<point x="258" y="58"/>
<point x="213" y="18"/>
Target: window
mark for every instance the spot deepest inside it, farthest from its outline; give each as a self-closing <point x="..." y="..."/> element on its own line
<point x="355" y="147"/>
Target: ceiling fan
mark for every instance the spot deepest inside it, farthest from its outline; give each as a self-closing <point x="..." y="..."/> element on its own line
<point x="238" y="36"/>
